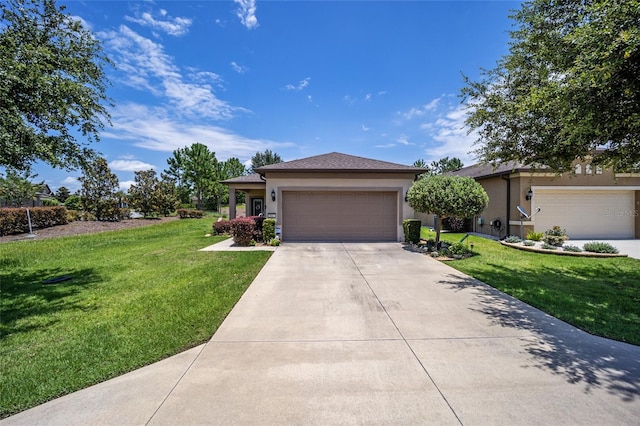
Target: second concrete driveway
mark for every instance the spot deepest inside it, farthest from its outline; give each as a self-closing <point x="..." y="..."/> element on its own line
<point x="372" y="334"/>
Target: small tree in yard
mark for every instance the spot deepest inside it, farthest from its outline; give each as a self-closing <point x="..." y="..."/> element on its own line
<point x="98" y="193"/>
<point x="144" y="193"/>
<point x="447" y="196"/>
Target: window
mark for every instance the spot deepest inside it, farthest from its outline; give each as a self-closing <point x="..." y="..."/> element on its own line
<point x="598" y="170"/>
<point x="578" y="169"/>
<point x="587" y="169"/>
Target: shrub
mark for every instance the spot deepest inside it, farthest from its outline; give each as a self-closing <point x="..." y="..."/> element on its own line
<point x="15" y="220"/>
<point x="549" y="246"/>
<point x="190" y="214"/>
<point x="512" y="239"/>
<point x="535" y="236"/>
<point x="555" y="236"/>
<point x="73" y="202"/>
<point x="454" y="223"/>
<point x="242" y="230"/>
<point x="458" y="249"/>
<point x="411" y="229"/>
<point x="257" y="230"/>
<point x="222" y="227"/>
<point x="50" y="202"/>
<point x="529" y="243"/>
<point x="274" y="242"/>
<point x="269" y="230"/>
<point x="574" y="249"/>
<point x="124" y="213"/>
<point x="600" y="247"/>
<point x="73" y="215"/>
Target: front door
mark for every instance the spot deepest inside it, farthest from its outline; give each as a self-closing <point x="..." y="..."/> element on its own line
<point x="257" y="206"/>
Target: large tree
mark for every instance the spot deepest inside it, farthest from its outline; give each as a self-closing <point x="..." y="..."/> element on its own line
<point x="264" y="159"/>
<point x="194" y="168"/>
<point x="439" y="167"/>
<point x="447" y="196"/>
<point x="570" y="85"/>
<point x="53" y="86"/>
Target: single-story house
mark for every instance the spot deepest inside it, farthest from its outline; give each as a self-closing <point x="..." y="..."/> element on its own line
<point x="330" y="197"/>
<point x="590" y="202"/>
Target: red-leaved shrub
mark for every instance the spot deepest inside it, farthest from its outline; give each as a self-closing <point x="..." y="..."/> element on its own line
<point x="222" y="227"/>
<point x="242" y="230"/>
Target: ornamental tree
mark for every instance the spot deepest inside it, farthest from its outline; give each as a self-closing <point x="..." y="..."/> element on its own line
<point x="569" y="87"/>
<point x="447" y="196"/>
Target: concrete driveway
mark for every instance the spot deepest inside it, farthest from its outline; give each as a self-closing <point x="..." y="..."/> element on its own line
<point x="371" y="334"/>
<point x="629" y="247"/>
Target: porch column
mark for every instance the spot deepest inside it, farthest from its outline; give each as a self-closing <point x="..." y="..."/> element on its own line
<point x="232" y="202"/>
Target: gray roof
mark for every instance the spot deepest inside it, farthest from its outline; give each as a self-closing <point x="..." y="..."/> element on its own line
<point x="336" y="161"/>
<point x="252" y="178"/>
<point x="484" y="170"/>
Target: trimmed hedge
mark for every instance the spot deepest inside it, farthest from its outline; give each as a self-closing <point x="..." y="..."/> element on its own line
<point x="222" y="227"/>
<point x="15" y="221"/>
<point x="190" y="214"/>
<point x="411" y="229"/>
<point x="268" y="229"/>
<point x="242" y="230"/>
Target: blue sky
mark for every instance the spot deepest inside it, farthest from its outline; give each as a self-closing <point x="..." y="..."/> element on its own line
<point x="378" y="79"/>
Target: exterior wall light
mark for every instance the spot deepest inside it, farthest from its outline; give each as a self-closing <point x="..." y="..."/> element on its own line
<point x="529" y="195"/>
<point x="273" y="195"/>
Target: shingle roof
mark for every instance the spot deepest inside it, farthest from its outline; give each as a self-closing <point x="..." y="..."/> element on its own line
<point x="478" y="171"/>
<point x="336" y="161"/>
<point x="252" y="178"/>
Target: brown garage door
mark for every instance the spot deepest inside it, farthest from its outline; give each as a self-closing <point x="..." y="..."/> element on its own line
<point x="339" y="216"/>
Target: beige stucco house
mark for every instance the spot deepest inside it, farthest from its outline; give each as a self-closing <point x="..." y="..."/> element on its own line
<point x="590" y="202"/>
<point x="330" y="197"/>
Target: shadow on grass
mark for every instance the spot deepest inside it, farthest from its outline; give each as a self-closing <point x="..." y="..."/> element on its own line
<point x="25" y="296"/>
<point x="558" y="347"/>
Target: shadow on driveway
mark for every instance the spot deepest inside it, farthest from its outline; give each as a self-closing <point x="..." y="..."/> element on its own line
<point x="564" y="350"/>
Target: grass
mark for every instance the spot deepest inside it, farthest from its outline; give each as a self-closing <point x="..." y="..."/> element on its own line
<point x="598" y="295"/>
<point x="136" y="296"/>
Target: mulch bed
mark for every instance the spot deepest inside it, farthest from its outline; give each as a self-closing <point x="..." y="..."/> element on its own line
<point x="85" y="227"/>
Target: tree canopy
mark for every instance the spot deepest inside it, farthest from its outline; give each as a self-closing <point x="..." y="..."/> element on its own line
<point x="439" y="167"/>
<point x="264" y="159"/>
<point x="447" y="196"/>
<point x="98" y="192"/>
<point x="53" y="86"/>
<point x="568" y="88"/>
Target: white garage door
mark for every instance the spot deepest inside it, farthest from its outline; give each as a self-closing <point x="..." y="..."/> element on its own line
<point x="339" y="216"/>
<point x="586" y="214"/>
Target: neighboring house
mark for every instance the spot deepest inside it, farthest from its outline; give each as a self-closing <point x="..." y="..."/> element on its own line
<point x="330" y="197"/>
<point x="589" y="202"/>
<point x="44" y="193"/>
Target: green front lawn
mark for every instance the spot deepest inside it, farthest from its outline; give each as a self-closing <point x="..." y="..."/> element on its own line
<point x="598" y="295"/>
<point x="136" y="296"/>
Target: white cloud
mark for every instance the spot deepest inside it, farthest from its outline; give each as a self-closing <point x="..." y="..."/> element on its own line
<point x="240" y="69"/>
<point x="247" y="13"/>
<point x="130" y="165"/>
<point x="172" y="26"/>
<point x="404" y="140"/>
<point x="365" y="128"/>
<point x="367" y="97"/>
<point x="157" y="129"/>
<point x="148" y="68"/>
<point x="301" y="85"/>
<point x="451" y="132"/>
<point x="125" y="185"/>
<point x="389" y="145"/>
<point x="420" y="111"/>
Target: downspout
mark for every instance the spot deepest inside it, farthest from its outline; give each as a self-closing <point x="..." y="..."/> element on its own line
<point x="508" y="179"/>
